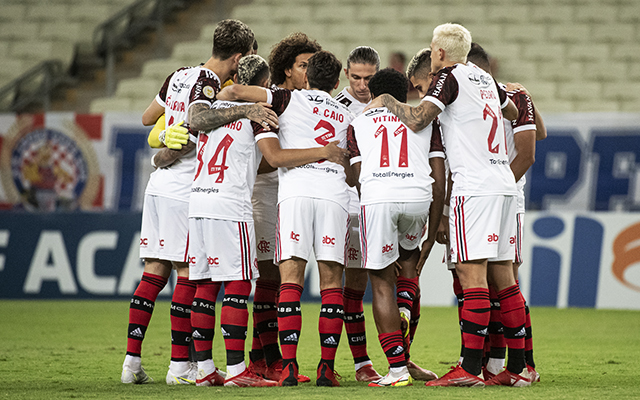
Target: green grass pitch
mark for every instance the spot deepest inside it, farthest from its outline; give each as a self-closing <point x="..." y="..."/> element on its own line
<point x="75" y="349"/>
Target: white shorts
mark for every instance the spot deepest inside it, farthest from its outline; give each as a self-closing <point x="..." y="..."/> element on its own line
<point x="385" y="226"/>
<point x="222" y="250"/>
<point x="519" y="234"/>
<point x="306" y="223"/>
<point x="265" y="200"/>
<point x="482" y="227"/>
<point x="165" y="229"/>
<point x="354" y="258"/>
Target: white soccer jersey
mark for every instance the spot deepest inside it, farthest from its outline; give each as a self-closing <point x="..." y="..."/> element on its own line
<point x="473" y="130"/>
<point x="182" y="89"/>
<point x="353" y="104"/>
<point x="311" y="118"/>
<point x="226" y="167"/>
<point x="394" y="160"/>
<point x="356" y="107"/>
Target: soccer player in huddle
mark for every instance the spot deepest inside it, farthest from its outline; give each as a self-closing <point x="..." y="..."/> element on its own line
<point x="288" y="67"/>
<point x="470" y="105"/>
<point x="362" y="64"/>
<point x="394" y="165"/>
<point x="164" y="232"/>
<point x="312" y="211"/>
<point x="521" y="141"/>
<point x="221" y="228"/>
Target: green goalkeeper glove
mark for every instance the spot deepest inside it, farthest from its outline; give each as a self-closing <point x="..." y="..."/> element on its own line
<point x="175" y="136"/>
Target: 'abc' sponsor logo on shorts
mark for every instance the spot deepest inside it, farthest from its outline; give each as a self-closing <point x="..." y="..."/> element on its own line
<point x="329" y="241"/>
<point x="492" y="238"/>
<point x="387" y="248"/>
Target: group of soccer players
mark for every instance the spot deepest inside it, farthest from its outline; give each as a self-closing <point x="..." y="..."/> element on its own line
<point x="252" y="178"/>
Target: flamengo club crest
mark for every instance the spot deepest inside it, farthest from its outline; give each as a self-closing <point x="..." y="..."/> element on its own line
<point x="47" y="169"/>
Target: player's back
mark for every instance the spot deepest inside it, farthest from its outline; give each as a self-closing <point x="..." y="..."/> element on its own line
<point x="183" y="88"/>
<point x="473" y="131"/>
<point x="226" y="168"/>
<point x="394" y="159"/>
<point x="313" y="119"/>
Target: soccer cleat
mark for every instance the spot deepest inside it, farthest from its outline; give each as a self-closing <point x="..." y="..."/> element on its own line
<point x="327" y="376"/>
<point x="213" y="379"/>
<point x="390" y="379"/>
<point x="289" y="375"/>
<point x="137" y="377"/>
<point x="457" y="376"/>
<point x="420" y="374"/>
<point x="249" y="378"/>
<point x="508" y="378"/>
<point x="259" y="367"/>
<point x="188" y="378"/>
<point x="274" y="373"/>
<point x="367" y="374"/>
<point x="535" y="376"/>
<point x="486" y="374"/>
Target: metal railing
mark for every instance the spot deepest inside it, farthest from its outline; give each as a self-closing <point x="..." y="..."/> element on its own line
<point x="33" y="88"/>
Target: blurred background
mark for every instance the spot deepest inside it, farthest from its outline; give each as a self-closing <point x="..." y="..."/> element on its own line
<point x="76" y="75"/>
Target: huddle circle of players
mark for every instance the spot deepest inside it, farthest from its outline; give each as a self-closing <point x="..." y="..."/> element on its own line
<point x="252" y="177"/>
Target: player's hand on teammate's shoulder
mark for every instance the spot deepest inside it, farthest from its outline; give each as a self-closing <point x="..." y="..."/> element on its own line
<point x="375" y="103"/>
<point x="515" y="86"/>
<point x="336" y="154"/>
<point x="175" y="136"/>
<point x="262" y="114"/>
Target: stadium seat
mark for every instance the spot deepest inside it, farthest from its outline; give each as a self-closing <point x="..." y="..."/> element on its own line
<point x="613" y="33"/>
<point x="627" y="51"/>
<point x="419" y="14"/>
<point x="347" y="13"/>
<point x="9" y="70"/>
<point x="69" y="31"/>
<point x="557" y="14"/>
<point x="629" y="12"/>
<point x="285" y="13"/>
<point x="485" y="33"/>
<point x="381" y="14"/>
<point x="579" y="90"/>
<point x="541" y="90"/>
<point x="596" y="12"/>
<point x="86" y="11"/>
<point x="569" y="33"/>
<point x="607" y="71"/>
<point x="554" y="105"/>
<point x="512" y="13"/>
<point x="525" y="33"/>
<point x="390" y="32"/>
<point x="515" y="69"/>
<point x="543" y="52"/>
<point x="587" y="52"/>
<point x="624" y="91"/>
<point x="192" y="53"/>
<point x="47" y="12"/>
<point x="13" y="12"/>
<point x="36" y="51"/>
<point x="138" y="88"/>
<point x="560" y="70"/>
<point x="18" y="31"/>
<point x="159" y="70"/>
<point x="464" y="13"/>
<point x="597" y="105"/>
<point x="110" y="104"/>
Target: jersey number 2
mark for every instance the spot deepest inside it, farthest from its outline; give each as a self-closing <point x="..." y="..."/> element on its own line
<point x="324" y="138"/>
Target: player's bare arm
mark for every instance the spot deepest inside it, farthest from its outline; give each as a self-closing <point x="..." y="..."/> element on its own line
<point x="152" y="113"/>
<point x="510" y="112"/>
<point x="525" y="143"/>
<point x="415" y="118"/>
<point x="356" y="168"/>
<point x="435" y="210"/>
<point x="167" y="156"/>
<point x="203" y="118"/>
<point x="290" y="158"/>
<point x="541" y="129"/>
<point x="254" y="94"/>
<point x="442" y="235"/>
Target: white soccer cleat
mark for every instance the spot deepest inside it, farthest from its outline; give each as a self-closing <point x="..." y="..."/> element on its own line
<point x="187" y="378"/>
<point x="136" y="377"/>
<point x="391" y="379"/>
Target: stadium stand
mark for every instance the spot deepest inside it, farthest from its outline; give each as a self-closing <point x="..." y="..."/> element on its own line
<point x="571" y="54"/>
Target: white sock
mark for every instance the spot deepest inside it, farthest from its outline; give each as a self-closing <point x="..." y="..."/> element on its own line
<point x="207" y="367"/>
<point x="133" y="363"/>
<point x="179" y="367"/>
<point x="233" y="370"/>
<point x="362" y="364"/>
<point x="495" y="365"/>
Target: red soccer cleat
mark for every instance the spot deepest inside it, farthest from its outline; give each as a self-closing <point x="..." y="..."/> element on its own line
<point x="457" y="376"/>
<point x="508" y="378"/>
<point x="249" y="378"/>
<point x="533" y="374"/>
<point x="367" y="374"/>
<point x="289" y="375"/>
<point x="327" y="376"/>
<point x="486" y="374"/>
<point x="259" y="367"/>
<point x="274" y="373"/>
<point x="213" y="379"/>
<point x="420" y="374"/>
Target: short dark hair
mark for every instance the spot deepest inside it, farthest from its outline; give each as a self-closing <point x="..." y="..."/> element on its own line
<point x="231" y="37"/>
<point x="420" y="64"/>
<point x="323" y="71"/>
<point x="252" y="70"/>
<point x="364" y="55"/>
<point x="479" y="57"/>
<point x="284" y="53"/>
<point x="389" y="81"/>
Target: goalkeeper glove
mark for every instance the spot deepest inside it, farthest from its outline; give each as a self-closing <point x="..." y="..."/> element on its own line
<point x="154" y="139"/>
<point x="175" y="136"/>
